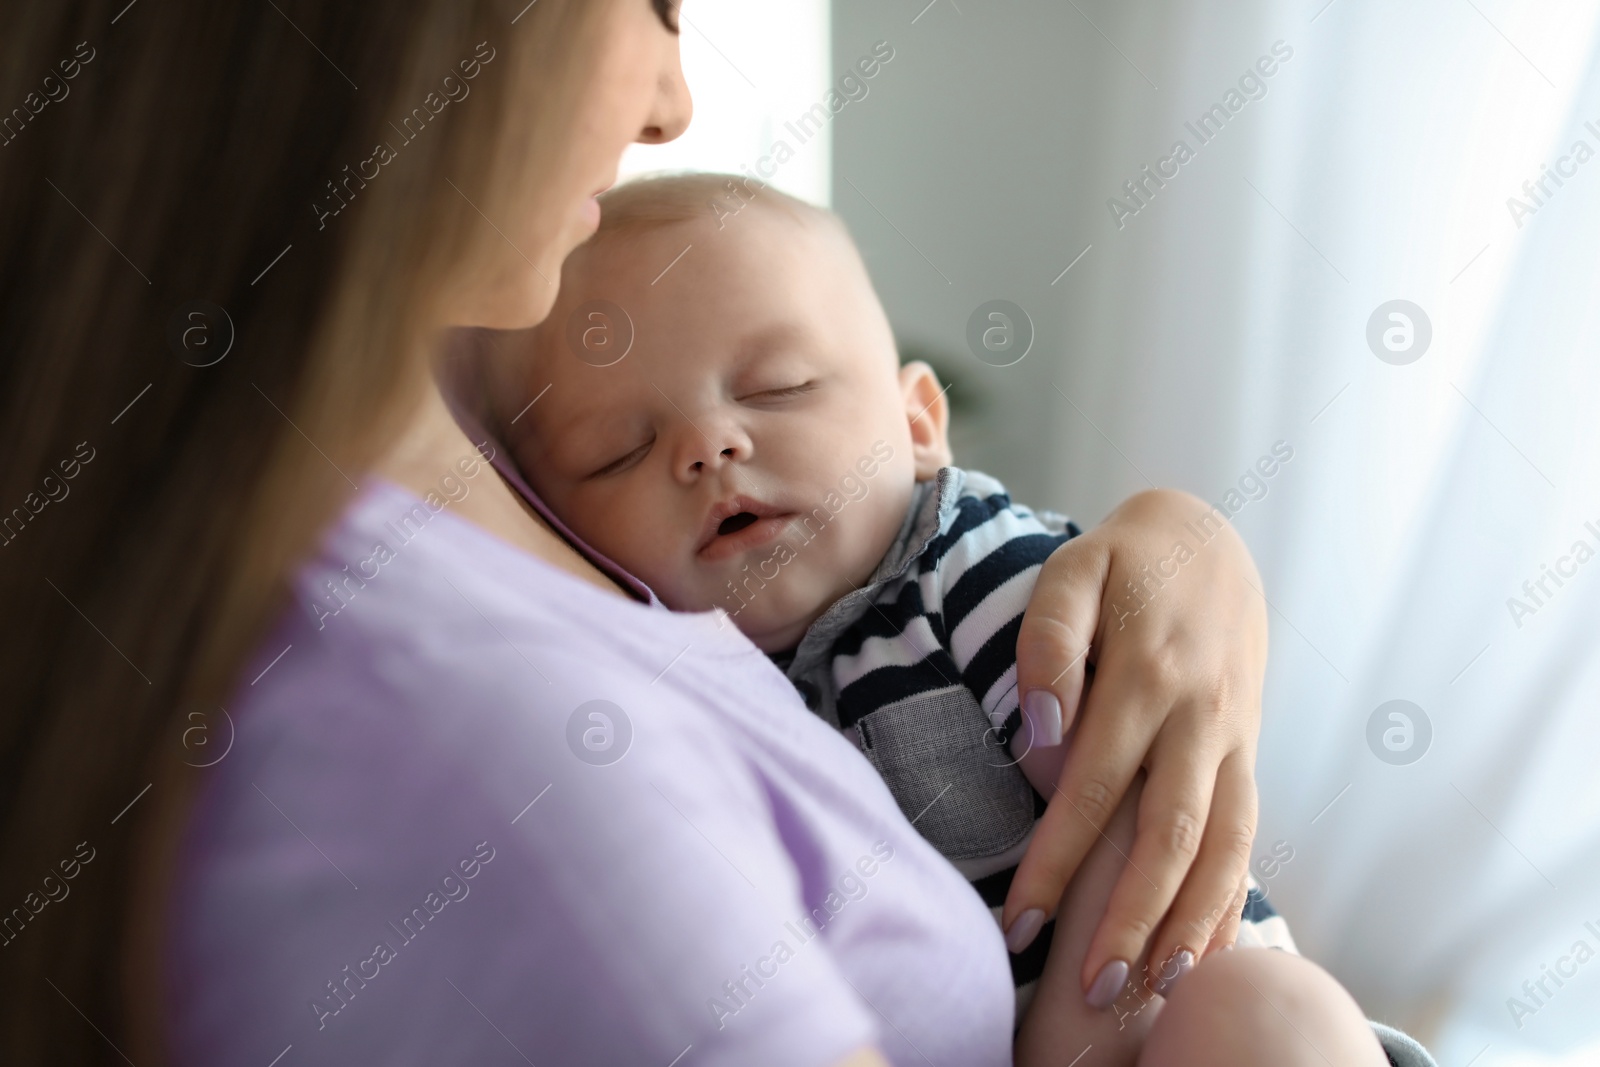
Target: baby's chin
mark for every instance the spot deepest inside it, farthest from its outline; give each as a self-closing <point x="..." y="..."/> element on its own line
<point x="773" y="622"/>
<point x="772" y="637"/>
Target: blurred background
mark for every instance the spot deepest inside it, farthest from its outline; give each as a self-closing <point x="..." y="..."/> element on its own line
<point x="1376" y="253"/>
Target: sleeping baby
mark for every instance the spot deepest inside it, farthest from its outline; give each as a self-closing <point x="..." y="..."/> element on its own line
<point x="722" y="410"/>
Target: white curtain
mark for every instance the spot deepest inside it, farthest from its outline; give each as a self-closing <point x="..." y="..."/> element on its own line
<point x="1230" y="313"/>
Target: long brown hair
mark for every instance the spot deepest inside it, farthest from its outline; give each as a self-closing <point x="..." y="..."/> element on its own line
<point x="213" y="317"/>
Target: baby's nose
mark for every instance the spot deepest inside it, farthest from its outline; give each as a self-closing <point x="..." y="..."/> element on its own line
<point x="710" y="448"/>
<point x="726" y="453"/>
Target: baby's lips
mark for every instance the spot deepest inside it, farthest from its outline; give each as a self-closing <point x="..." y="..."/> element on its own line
<point x="723" y="510"/>
<point x="760" y="532"/>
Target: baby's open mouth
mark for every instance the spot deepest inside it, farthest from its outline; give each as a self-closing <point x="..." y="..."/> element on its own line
<point x="738" y="525"/>
<point x="735" y="523"/>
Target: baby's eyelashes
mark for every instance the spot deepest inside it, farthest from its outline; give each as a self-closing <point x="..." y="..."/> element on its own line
<point x="785" y="392"/>
<point x="621" y="463"/>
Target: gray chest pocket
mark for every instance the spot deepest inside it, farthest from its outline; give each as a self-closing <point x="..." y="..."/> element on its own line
<point x="962" y="794"/>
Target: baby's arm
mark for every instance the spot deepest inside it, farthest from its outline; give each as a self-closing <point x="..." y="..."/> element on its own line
<point x="1241" y="1008"/>
<point x="1257" y="1007"/>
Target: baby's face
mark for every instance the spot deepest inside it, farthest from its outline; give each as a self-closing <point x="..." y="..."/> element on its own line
<point x="752" y="451"/>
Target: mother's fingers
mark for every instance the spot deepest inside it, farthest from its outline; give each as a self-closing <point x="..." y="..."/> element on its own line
<point x="1057" y="628"/>
<point x="1172" y="823"/>
<point x="1226" y="934"/>
<point x="1107" y="750"/>
<point x="1206" y="912"/>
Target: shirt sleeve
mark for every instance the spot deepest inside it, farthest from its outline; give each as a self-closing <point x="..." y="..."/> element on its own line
<point x="435" y="875"/>
<point x="980" y="573"/>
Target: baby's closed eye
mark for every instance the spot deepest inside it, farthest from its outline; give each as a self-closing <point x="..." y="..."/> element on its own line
<point x="777" y="394"/>
<point x="622" y="462"/>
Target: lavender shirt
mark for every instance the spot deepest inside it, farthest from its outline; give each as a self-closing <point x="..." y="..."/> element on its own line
<point x="478" y="811"/>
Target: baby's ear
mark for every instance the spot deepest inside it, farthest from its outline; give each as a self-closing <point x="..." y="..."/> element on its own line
<point x="929" y="418"/>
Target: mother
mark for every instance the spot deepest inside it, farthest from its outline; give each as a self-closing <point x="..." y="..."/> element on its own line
<point x="274" y="512"/>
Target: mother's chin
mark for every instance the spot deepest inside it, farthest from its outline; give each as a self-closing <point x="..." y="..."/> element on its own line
<point x="517" y="295"/>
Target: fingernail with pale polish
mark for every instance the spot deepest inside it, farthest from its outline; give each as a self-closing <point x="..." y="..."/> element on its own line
<point x="1107" y="984"/>
<point x="1024" y="930"/>
<point x="1180" y="964"/>
<point x="1044" y="715"/>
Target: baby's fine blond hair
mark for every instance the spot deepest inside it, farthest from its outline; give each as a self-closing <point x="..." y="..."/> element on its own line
<point x="650" y="202"/>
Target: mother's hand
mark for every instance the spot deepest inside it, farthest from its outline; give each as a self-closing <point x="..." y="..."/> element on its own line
<point x="1164" y="599"/>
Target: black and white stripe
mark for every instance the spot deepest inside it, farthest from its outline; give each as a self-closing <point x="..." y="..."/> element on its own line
<point x="954" y="614"/>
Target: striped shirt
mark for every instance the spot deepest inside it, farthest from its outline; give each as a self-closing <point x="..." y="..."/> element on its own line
<point x="954" y="611"/>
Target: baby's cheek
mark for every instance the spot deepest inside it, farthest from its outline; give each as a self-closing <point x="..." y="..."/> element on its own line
<point x="867" y="529"/>
<point x="642" y="545"/>
<point x="622" y="536"/>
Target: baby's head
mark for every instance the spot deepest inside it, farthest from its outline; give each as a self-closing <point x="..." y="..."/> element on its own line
<point x="742" y="435"/>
